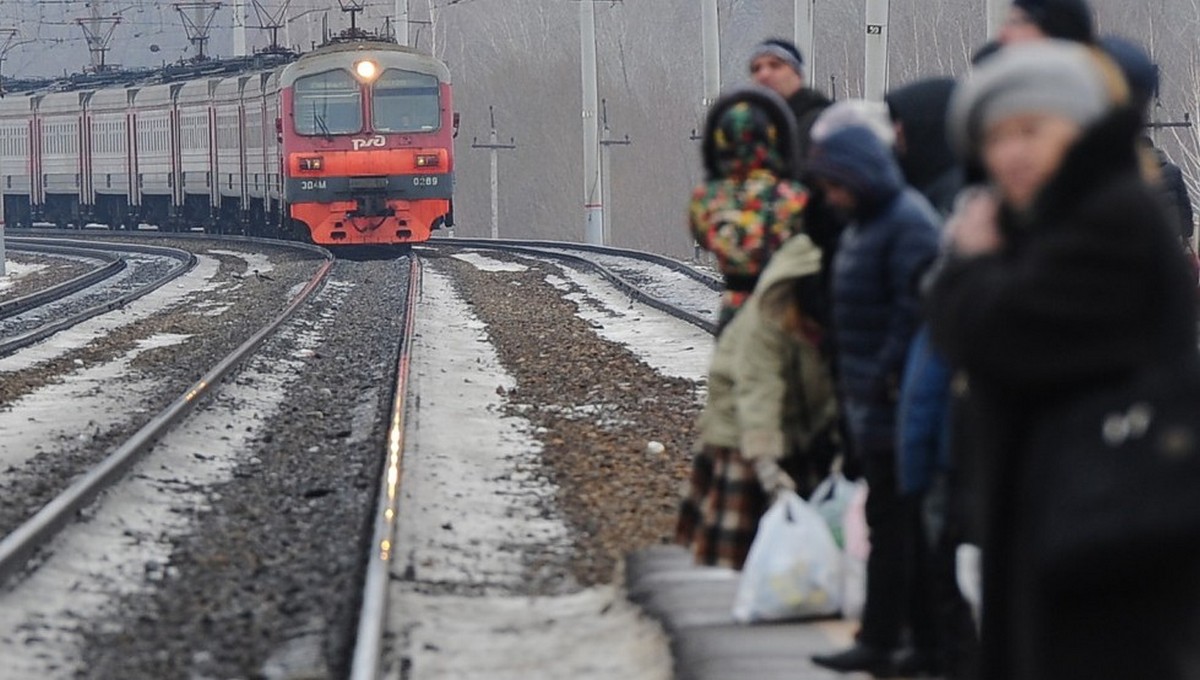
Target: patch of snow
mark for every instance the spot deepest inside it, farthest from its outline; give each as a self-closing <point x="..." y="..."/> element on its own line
<point x="487" y="264"/>
<point x="13" y="271"/>
<point x="473" y="510"/>
<point x="671" y="346"/>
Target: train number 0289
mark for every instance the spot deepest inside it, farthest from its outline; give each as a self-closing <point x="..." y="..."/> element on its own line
<point x="312" y="184"/>
<point x="425" y="181"/>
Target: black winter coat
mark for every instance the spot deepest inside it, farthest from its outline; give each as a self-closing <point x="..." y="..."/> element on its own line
<point x="875" y="307"/>
<point x="1090" y="288"/>
<point x="806" y="105"/>
<point x="1175" y="193"/>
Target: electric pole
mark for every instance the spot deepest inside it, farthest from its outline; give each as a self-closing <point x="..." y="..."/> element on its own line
<point x="593" y="191"/>
<point x="239" y="28"/>
<point x="875" y="78"/>
<point x="805" y="10"/>
<point x="606" y="144"/>
<point x="402" y="22"/>
<point x="494" y="147"/>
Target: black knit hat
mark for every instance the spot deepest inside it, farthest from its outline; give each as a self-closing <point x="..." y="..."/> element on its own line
<point x="1065" y="19"/>
<point x="785" y="50"/>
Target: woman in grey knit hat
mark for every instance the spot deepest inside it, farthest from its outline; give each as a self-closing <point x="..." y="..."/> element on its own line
<point x="1065" y="281"/>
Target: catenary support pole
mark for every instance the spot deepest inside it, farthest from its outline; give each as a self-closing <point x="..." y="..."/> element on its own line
<point x="875" y="78"/>
<point x="402" y="22"/>
<point x="805" y="10"/>
<point x="593" y="192"/>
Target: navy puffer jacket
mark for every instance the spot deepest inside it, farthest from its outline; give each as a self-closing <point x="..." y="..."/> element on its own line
<point x="894" y="235"/>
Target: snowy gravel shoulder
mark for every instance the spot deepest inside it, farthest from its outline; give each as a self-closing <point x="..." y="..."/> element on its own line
<point x="483" y="589"/>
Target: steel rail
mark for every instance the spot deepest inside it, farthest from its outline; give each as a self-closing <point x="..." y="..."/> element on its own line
<point x="19" y="546"/>
<point x="112" y="266"/>
<point x="368" y="646"/>
<point x="186" y="260"/>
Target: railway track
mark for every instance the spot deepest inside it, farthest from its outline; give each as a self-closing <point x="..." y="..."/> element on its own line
<point x="22" y="543"/>
<point x="33" y="318"/>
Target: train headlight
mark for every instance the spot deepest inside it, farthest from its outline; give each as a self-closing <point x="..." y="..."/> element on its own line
<point x="366" y="70"/>
<point x="428" y="160"/>
<point x="314" y="163"/>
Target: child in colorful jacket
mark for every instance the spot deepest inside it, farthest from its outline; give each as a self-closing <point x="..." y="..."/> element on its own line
<point x="749" y="205"/>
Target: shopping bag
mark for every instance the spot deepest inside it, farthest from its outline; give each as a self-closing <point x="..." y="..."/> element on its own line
<point x="831" y="498"/>
<point x="857" y="550"/>
<point x="792" y="568"/>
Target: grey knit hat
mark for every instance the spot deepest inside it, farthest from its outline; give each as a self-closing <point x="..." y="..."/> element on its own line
<point x="1052" y="76"/>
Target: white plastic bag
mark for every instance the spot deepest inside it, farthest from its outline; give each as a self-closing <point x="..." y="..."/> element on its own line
<point x="857" y="550"/>
<point x="831" y="498"/>
<point x="792" y="568"/>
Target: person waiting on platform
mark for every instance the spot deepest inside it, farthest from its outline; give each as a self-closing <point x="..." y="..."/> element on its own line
<point x="1067" y="285"/>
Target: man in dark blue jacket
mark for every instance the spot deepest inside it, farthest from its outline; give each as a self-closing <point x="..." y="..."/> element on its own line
<point x="891" y="236"/>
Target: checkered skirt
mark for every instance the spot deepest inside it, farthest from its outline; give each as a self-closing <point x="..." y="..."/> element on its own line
<point x="721" y="508"/>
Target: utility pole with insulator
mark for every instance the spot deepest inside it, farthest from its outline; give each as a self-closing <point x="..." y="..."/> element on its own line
<point x="593" y="190"/>
<point x="495" y="147"/>
<point x="606" y="144"/>
<point x="875" y="78"/>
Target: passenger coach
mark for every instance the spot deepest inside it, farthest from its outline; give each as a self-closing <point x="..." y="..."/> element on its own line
<point x="349" y="144"/>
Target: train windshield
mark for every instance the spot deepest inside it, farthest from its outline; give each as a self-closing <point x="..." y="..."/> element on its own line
<point x="328" y="103"/>
<point x="406" y="102"/>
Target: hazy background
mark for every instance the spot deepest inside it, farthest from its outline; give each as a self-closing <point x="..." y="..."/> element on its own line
<point x="522" y="57"/>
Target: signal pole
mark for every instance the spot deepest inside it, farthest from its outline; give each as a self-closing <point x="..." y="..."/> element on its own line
<point x="805" y="10"/>
<point x="494" y="147"/>
<point x="875" y="78"/>
<point x="606" y="144"/>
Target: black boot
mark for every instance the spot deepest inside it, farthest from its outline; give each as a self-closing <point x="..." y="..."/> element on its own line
<point x="860" y="657"/>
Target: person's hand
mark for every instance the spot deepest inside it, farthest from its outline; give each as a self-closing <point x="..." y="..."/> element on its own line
<point x="772" y="477"/>
<point x="974" y="227"/>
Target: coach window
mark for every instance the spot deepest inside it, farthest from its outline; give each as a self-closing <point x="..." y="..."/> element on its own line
<point x="404" y="101"/>
<point x="328" y="103"/>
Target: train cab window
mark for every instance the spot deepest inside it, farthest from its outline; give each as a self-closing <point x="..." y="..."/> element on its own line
<point x="404" y="101"/>
<point x="328" y="103"/>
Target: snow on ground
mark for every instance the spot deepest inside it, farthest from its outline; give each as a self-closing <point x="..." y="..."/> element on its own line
<point x="672" y="346"/>
<point x="127" y="539"/>
<point x="16" y="270"/>
<point x="487" y="264"/>
<point x="471" y="509"/>
<point x="36" y="420"/>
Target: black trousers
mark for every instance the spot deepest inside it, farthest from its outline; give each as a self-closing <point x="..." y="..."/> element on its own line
<point x="898" y="578"/>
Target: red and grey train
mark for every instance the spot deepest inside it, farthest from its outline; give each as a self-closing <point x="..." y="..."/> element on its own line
<point x="349" y="144"/>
